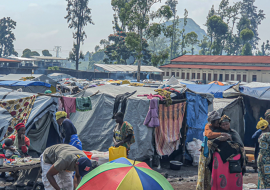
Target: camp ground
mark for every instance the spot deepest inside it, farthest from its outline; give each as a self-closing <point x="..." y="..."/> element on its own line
<point x="185" y="116"/>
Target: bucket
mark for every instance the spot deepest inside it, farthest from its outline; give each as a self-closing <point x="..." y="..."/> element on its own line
<point x="88" y="154"/>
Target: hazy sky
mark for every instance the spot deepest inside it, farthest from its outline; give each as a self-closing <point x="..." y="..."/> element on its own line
<point x="41" y="24"/>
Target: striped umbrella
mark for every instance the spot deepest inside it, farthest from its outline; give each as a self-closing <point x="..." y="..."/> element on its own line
<point x="123" y="174"/>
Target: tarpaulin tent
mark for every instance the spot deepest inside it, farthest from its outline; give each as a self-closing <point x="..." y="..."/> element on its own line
<point x="41" y="126"/>
<point x="29" y="77"/>
<point x="235" y="109"/>
<point x="95" y="127"/>
<point x="26" y="86"/>
<point x="214" y="89"/>
<point x="256" y="103"/>
<point x="196" y="117"/>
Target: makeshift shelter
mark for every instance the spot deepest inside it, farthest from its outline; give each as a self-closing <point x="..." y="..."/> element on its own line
<point x="41" y="127"/>
<point x="256" y="102"/>
<point x="235" y="109"/>
<point x="29" y="77"/>
<point x="26" y="86"/>
<point x="95" y="127"/>
<point x="214" y="89"/>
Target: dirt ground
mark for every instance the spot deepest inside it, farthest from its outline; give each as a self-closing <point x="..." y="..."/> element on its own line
<point x="186" y="178"/>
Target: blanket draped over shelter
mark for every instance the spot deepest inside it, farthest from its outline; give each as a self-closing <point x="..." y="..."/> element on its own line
<point x="19" y="109"/>
<point x="83" y="104"/>
<point x="151" y="119"/>
<point x="167" y="135"/>
<point x="69" y="104"/>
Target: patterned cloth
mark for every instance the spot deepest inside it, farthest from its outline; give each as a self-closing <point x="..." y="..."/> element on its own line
<point x="122" y="132"/>
<point x="69" y="105"/>
<point x="19" y="109"/>
<point x="264" y="161"/>
<point x="166" y="94"/>
<point x="204" y="174"/>
<point x="167" y="135"/>
<point x="83" y="104"/>
<point x="222" y="179"/>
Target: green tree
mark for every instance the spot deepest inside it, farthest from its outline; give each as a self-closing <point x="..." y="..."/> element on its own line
<point x="204" y="45"/>
<point x="78" y="16"/>
<point x="249" y="10"/>
<point x="28" y="53"/>
<point x="138" y="20"/>
<point x="73" y="57"/>
<point x="172" y="4"/>
<point x="7" y="37"/>
<point x="246" y="35"/>
<point x="192" y="39"/>
<point x="159" y="58"/>
<point x="97" y="47"/>
<point x="46" y="53"/>
<point x="104" y="42"/>
<point x="218" y="29"/>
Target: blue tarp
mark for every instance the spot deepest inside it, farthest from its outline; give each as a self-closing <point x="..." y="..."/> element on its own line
<point x="214" y="89"/>
<point x="24" y="83"/>
<point x="197" y="110"/>
<point x="262" y="93"/>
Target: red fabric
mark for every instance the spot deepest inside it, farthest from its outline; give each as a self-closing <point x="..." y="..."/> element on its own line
<point x="171" y="89"/>
<point x="112" y="178"/>
<point x="69" y="104"/>
<point x="222" y="179"/>
<point x="26" y="140"/>
<point x="2" y="156"/>
<point x="24" y="149"/>
<point x="19" y="126"/>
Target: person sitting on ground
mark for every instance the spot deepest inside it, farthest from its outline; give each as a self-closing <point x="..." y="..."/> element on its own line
<point x="58" y="163"/>
<point x="123" y="132"/>
<point x="20" y="140"/>
<point x="9" y="153"/>
<point x="68" y="130"/>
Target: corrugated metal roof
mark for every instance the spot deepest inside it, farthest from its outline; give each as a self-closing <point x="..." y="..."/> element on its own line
<point x="17" y="77"/>
<point x="47" y="58"/>
<point x="222" y="59"/>
<point x="180" y="66"/>
<point x="127" y="68"/>
<point x="9" y="60"/>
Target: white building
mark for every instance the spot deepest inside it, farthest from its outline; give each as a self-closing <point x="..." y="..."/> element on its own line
<point x="209" y="68"/>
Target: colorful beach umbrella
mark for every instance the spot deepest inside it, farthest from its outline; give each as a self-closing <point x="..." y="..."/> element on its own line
<point x="124" y="174"/>
<point x="217" y="82"/>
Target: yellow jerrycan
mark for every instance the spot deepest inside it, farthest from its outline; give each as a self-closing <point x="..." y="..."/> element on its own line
<point x="118" y="152"/>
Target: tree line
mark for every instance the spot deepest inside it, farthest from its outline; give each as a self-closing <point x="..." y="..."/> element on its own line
<point x="141" y="35"/>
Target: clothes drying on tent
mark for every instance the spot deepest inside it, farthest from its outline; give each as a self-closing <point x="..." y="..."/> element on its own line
<point x="175" y="94"/>
<point x="19" y="109"/>
<point x="83" y="104"/>
<point x="121" y="98"/>
<point x="151" y="119"/>
<point x="166" y="94"/>
<point x="69" y="104"/>
<point x="167" y="135"/>
<point x="150" y="96"/>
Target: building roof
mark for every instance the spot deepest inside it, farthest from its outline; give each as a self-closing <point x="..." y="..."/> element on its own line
<point x="127" y="68"/>
<point x="8" y="60"/>
<point x="47" y="58"/>
<point x="23" y="58"/>
<point x="222" y="59"/>
<point x="180" y="66"/>
<point x="17" y="77"/>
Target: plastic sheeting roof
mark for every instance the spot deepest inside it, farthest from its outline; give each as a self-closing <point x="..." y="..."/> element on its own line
<point x="214" y="89"/>
<point x="262" y="93"/>
<point x="24" y="83"/>
<point x="127" y="68"/>
<point x="47" y="58"/>
<point x="16" y="77"/>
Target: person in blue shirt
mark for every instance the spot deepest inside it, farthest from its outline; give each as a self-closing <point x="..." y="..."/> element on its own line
<point x="257" y="134"/>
